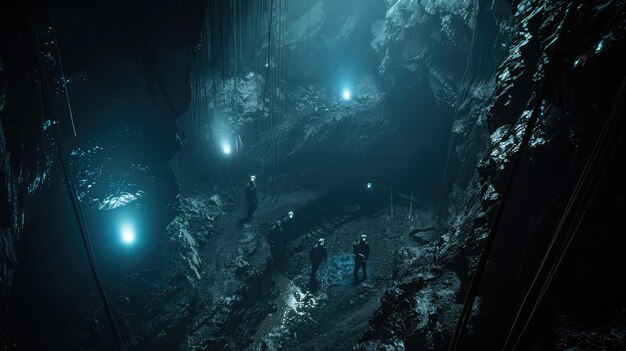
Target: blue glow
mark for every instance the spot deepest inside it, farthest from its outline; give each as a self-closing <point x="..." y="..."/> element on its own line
<point x="338" y="270"/>
<point x="369" y="185"/>
<point x="127" y="234"/>
<point x="346" y="94"/>
<point x="226" y="149"/>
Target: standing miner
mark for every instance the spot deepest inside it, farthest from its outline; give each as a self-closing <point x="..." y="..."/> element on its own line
<point x="251" y="197"/>
<point x="361" y="251"/>
<point x="318" y="255"/>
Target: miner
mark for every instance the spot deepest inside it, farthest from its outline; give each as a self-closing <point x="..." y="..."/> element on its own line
<point x="318" y="255"/>
<point x="251" y="197"/>
<point x="288" y="223"/>
<point x="361" y="251"/>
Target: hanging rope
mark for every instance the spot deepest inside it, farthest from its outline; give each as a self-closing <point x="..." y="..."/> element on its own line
<point x="236" y="61"/>
<point x="58" y="52"/>
<point x="530" y="126"/>
<point x="592" y="184"/>
<point x="231" y="38"/>
<point x="269" y="45"/>
<point x="68" y="177"/>
<point x="283" y="92"/>
<point x="608" y="128"/>
<point x="270" y="81"/>
<point x="581" y="216"/>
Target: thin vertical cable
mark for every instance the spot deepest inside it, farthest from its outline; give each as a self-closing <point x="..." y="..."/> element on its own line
<point x="58" y="50"/>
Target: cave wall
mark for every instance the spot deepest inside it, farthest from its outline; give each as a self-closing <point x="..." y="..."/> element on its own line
<point x="127" y="74"/>
<point x="9" y="230"/>
<point x="584" y="78"/>
<point x="405" y="64"/>
<point x="10" y="226"/>
<point x="131" y="90"/>
<point x="24" y="167"/>
<point x="582" y="87"/>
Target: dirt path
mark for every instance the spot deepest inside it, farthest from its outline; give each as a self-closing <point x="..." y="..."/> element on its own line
<point x="333" y="314"/>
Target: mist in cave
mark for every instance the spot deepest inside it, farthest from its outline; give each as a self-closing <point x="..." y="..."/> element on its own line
<point x="312" y="175"/>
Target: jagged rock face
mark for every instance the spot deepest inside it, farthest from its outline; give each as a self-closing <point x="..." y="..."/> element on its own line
<point x="549" y="43"/>
<point x="420" y="311"/>
<point x="570" y="334"/>
<point x="416" y="42"/>
<point x="398" y="51"/>
<point x="208" y="289"/>
<point x="10" y="226"/>
<point x="560" y="132"/>
<point x="330" y="29"/>
<point x="24" y="168"/>
<point x="23" y="171"/>
<point x="217" y="287"/>
<point x="126" y="92"/>
<point x="9" y="231"/>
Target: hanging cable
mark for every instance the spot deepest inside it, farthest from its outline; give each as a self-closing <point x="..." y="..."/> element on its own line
<point x="269" y="45"/>
<point x="592" y="184"/>
<point x="267" y="80"/>
<point x="530" y="126"/>
<point x="283" y="90"/>
<point x="58" y="52"/>
<point x="556" y="266"/>
<point x="617" y="104"/>
<point x="235" y="63"/>
<point x="76" y="206"/>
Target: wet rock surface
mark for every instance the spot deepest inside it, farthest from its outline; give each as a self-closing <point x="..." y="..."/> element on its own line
<point x="420" y="308"/>
<point x="332" y="311"/>
<point x="572" y="336"/>
<point x="474" y="199"/>
<point x="24" y="169"/>
<point x="209" y="288"/>
<point x="121" y="136"/>
<point x="209" y="280"/>
<point x="414" y="293"/>
<point x="8" y="232"/>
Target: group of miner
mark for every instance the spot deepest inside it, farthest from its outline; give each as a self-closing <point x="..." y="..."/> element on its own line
<point x="318" y="254"/>
<point x="360" y="249"/>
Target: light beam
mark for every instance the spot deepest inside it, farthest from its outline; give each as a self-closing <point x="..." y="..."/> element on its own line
<point x="128" y="235"/>
<point x="346" y="94"/>
<point x="226" y="149"/>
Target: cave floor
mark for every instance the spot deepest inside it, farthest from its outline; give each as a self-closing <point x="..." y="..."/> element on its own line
<point x="333" y="312"/>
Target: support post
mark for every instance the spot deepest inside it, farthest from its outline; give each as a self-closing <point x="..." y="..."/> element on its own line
<point x="411" y="207"/>
<point x="391" y="203"/>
